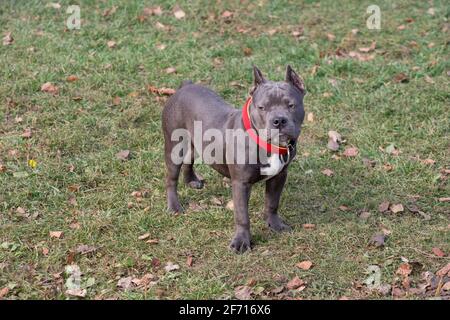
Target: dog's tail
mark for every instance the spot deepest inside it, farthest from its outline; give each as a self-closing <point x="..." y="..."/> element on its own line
<point x="185" y="83"/>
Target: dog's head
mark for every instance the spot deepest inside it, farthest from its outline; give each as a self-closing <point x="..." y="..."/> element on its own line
<point x="277" y="107"/>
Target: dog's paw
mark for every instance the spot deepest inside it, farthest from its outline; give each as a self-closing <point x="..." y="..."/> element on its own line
<point x="175" y="208"/>
<point x="196" y="184"/>
<point x="277" y="225"/>
<point x="240" y="243"/>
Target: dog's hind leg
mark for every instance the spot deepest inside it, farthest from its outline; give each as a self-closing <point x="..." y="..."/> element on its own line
<point x="190" y="177"/>
<point x="172" y="174"/>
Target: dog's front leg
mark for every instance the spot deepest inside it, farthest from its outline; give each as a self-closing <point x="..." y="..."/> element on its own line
<point x="241" y="194"/>
<point x="274" y="187"/>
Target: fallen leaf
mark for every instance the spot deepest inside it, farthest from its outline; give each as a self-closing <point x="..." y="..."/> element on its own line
<point x="72" y="78"/>
<point x="80" y="293"/>
<point x="56" y="234"/>
<point x="152" y="241"/>
<point x="161" y="46"/>
<point x="247" y="51"/>
<point x="396" y="208"/>
<point x="171" y="267"/>
<point x="160" y="91"/>
<point x="230" y="205"/>
<point x="308" y="226"/>
<point x="144" y="236"/>
<point x="446" y="286"/>
<point x="304" y="265"/>
<point x="428" y="161"/>
<point x="401" y="27"/>
<point x="310" y="117"/>
<point x="431" y="11"/>
<point x="444" y="199"/>
<point x="361" y="57"/>
<point x="404" y="269"/>
<point x="328" y="172"/>
<point x="189" y="261"/>
<point x="344" y="208"/>
<point x="116" y="101"/>
<point x="334" y="139"/>
<point x="392" y="149"/>
<point x="160" y="26"/>
<point x="438" y="252"/>
<point x="123" y="155"/>
<point x="351" y="152"/>
<point x="125" y="283"/>
<point x="401" y="78"/>
<point x="170" y="70"/>
<point x="48" y="87"/>
<point x="444" y="271"/>
<point x="227" y="14"/>
<point x="85" y="249"/>
<point x="368" y="49"/>
<point x="3" y="292"/>
<point x="178" y="13"/>
<point x="428" y="79"/>
<point x="147" y="279"/>
<point x="8" y="39"/>
<point x="243" y="292"/>
<point x="295" y="283"/>
<point x="331" y="37"/>
<point x="384" y="206"/>
<point x="53" y="5"/>
<point x="111" y="44"/>
<point x="378" y="240"/>
<point x="110" y="11"/>
<point x="45" y="251"/>
<point x="27" y="133"/>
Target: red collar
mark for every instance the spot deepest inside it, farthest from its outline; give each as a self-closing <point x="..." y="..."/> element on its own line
<point x="270" y="148"/>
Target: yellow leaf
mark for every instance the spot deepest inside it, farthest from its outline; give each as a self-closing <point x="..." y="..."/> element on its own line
<point x="32" y="163"/>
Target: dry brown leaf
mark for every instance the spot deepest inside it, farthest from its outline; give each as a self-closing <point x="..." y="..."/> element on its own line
<point x="334" y="139"/>
<point x="368" y="49"/>
<point x="45" y="251"/>
<point x="247" y="51"/>
<point x="178" y="13"/>
<point x="384" y="206"/>
<point x="227" y="14"/>
<point x="189" y="261"/>
<point x="428" y="161"/>
<point x="230" y="205"/>
<point x="396" y="208"/>
<point x="401" y="27"/>
<point x="331" y="37"/>
<point x="171" y="267"/>
<point x="351" y="152"/>
<point x="304" y="265"/>
<point x="3" y="292"/>
<point x="243" y="292"/>
<point x="378" y="240"/>
<point x="48" y="87"/>
<point x="56" y="234"/>
<point x="123" y="155"/>
<point x="110" y="11"/>
<point x="295" y="283"/>
<point x="310" y="117"/>
<point x="72" y="78"/>
<point x="308" y="226"/>
<point x="438" y="252"/>
<point x="401" y="78"/>
<point x="152" y="241"/>
<point x="444" y="199"/>
<point x="160" y="91"/>
<point x="444" y="271"/>
<point x="144" y="236"/>
<point x="116" y="101"/>
<point x="404" y="269"/>
<point x="170" y="70"/>
<point x="8" y="39"/>
<point x="328" y="172"/>
<point x="111" y="44"/>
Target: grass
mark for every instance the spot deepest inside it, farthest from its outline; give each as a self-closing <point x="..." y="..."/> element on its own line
<point x="92" y="204"/>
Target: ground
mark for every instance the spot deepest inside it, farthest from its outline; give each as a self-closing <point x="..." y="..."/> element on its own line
<point x="59" y="171"/>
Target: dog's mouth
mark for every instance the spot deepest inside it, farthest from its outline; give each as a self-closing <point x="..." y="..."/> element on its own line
<point x="282" y="140"/>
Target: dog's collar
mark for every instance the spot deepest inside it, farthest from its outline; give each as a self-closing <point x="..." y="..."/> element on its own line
<point x="270" y="148"/>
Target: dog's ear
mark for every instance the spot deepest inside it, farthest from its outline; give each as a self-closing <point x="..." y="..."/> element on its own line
<point x="258" y="79"/>
<point x="293" y="78"/>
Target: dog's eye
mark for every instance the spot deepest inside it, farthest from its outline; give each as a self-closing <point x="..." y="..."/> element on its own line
<point x="260" y="107"/>
<point x="291" y="106"/>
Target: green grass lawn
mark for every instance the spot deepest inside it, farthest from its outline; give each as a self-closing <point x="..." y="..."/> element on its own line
<point x="79" y="187"/>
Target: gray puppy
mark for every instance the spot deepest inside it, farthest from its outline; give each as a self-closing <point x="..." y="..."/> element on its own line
<point x="273" y="105"/>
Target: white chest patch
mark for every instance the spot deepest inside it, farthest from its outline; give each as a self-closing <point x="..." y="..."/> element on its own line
<point x="274" y="165"/>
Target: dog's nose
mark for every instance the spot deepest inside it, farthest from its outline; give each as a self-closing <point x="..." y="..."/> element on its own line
<point x="279" y="122"/>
